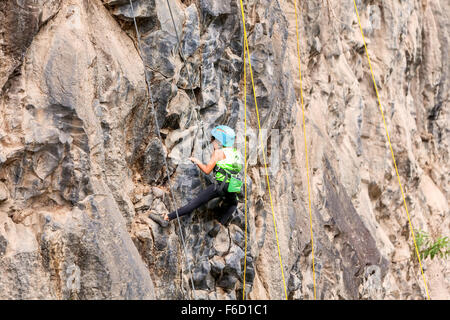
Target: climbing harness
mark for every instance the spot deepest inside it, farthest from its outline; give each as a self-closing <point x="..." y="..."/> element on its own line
<point x="262" y="145"/>
<point x="390" y="147"/>
<point x="234" y="182"/>
<point x="160" y="139"/>
<point x="227" y="171"/>
<point x="306" y="149"/>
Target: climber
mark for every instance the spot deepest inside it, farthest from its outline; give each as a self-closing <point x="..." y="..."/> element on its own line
<point x="226" y="162"/>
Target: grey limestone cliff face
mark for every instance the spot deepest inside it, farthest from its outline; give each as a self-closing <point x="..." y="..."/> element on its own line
<point x="64" y="234"/>
<point x="83" y="180"/>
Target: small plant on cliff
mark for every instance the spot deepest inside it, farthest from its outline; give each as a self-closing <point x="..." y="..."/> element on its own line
<point x="429" y="248"/>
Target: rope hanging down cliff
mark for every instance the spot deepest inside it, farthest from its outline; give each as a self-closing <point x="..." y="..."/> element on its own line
<point x="147" y="80"/>
<point x="390" y="147"/>
<point x="306" y="149"/>
<point x="262" y="146"/>
<point x="199" y="120"/>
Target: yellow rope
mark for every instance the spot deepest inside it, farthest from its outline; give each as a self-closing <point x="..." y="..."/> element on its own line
<point x="306" y="149"/>
<point x="262" y="146"/>
<point x="245" y="171"/>
<point x="392" y="152"/>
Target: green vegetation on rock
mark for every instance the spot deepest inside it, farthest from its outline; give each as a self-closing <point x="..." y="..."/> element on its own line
<point x="429" y="248"/>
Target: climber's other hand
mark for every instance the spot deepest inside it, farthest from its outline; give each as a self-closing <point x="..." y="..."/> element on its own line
<point x="194" y="160"/>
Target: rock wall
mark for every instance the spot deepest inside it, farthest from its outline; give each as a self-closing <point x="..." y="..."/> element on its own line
<point x="82" y="173"/>
<point x="63" y="114"/>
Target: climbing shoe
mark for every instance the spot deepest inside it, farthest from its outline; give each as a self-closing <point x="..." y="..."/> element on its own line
<point x="158" y="219"/>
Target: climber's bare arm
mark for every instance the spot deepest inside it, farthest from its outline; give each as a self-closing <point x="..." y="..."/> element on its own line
<point x="216" y="156"/>
<point x="211" y="164"/>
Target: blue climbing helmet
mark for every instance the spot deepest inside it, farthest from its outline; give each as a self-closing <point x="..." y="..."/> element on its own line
<point x="224" y="134"/>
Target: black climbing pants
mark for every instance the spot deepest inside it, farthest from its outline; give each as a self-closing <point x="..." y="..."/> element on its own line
<point x="225" y="211"/>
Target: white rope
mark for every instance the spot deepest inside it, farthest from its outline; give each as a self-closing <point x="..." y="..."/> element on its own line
<point x="160" y="139"/>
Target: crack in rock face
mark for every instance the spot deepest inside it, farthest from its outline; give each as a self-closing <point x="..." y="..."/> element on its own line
<point x="83" y="172"/>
